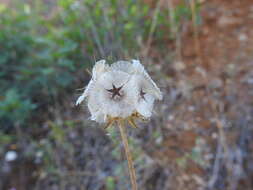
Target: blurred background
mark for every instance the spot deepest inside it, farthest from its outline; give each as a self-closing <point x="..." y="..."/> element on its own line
<point x="199" y="52"/>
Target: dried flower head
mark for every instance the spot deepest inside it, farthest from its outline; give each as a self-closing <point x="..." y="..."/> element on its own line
<point x="123" y="90"/>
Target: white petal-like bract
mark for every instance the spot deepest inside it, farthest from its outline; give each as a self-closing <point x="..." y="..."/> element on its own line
<point x="120" y="90"/>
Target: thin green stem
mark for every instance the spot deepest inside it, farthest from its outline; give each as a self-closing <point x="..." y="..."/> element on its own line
<point x="128" y="155"/>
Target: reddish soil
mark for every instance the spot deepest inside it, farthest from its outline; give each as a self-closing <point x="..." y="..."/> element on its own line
<point x="216" y="82"/>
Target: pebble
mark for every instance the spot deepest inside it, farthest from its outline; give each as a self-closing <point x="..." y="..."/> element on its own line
<point x="11" y="156"/>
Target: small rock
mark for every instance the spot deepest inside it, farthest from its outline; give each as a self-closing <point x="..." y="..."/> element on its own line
<point x="159" y="140"/>
<point x="214" y="135"/>
<point x="198" y="180"/>
<point x="201" y="71"/>
<point x="242" y="37"/>
<point x="185" y="177"/>
<point x="231" y="70"/>
<point x="11" y="156"/>
<point x="191" y="108"/>
<point x="215" y="83"/>
<point x="208" y="157"/>
<point x="179" y="66"/>
<point x="247" y="80"/>
<point x="171" y="117"/>
<point x="226" y="21"/>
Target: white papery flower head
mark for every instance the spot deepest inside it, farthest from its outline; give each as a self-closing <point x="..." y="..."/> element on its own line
<point x="146" y="91"/>
<point x="99" y="68"/>
<point x="120" y="91"/>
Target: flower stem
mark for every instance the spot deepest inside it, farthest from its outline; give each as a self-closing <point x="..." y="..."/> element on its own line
<point x="128" y="155"/>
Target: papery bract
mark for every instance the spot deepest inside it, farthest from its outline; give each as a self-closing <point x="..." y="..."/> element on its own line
<point x="119" y="91"/>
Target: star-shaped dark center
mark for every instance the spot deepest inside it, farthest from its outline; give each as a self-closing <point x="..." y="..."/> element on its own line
<point x="115" y="91"/>
<point x="142" y="94"/>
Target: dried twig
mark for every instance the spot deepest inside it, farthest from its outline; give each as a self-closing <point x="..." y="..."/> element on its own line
<point x="128" y="155"/>
<point x="216" y="167"/>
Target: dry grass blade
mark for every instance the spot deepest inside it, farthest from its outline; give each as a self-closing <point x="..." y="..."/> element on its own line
<point x="152" y="28"/>
<point x="195" y="28"/>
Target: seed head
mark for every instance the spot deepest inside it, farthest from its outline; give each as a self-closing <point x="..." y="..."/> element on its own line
<point x="123" y="90"/>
